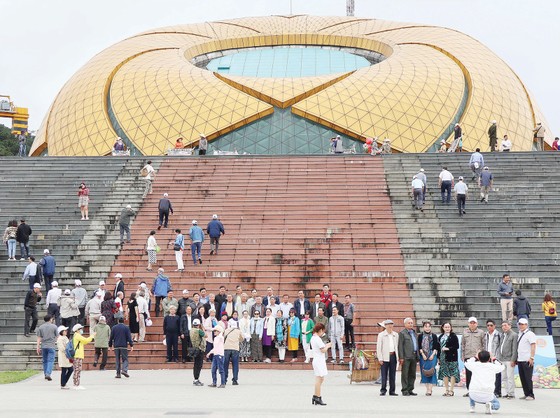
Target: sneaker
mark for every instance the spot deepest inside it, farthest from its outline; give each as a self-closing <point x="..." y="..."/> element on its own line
<point x="221" y="386"/>
<point x="488" y="408"/>
<point x="211" y="252"/>
<point x="466" y="395"/>
<point x="79" y="388"/>
<point x="125" y="374"/>
<point x="333" y="361"/>
<point x="94" y="364"/>
<point x="530" y="398"/>
<point x="235" y="383"/>
<point x="118" y="376"/>
<point x="341" y="361"/>
<point x="471" y="410"/>
<point x="212" y="385"/>
<point x="200" y="260"/>
<point x="198" y="383"/>
<point x="64" y="387"/>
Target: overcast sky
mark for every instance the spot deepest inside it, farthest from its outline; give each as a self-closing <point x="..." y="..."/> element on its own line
<point x="44" y="42"/>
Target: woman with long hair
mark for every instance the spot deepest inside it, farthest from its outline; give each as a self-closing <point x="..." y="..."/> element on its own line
<point x="319" y="349"/>
<point x="83" y="201"/>
<point x="448" y="361"/>
<point x="428" y="345"/>
<point x="10" y="239"/>
<point x="294" y="331"/>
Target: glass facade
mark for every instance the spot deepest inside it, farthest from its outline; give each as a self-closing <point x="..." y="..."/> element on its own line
<point x="281" y="133"/>
<point x="287" y="61"/>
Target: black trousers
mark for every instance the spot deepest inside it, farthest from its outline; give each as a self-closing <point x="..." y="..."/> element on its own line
<point x="163" y="217"/>
<point x="526" y="377"/>
<point x="158" y="303"/>
<point x="101" y="351"/>
<point x="30" y="315"/>
<point x="65" y="373"/>
<point x="185" y="344"/>
<point x="82" y="316"/>
<point x="198" y="361"/>
<point x="349" y="333"/>
<point x="498" y="385"/>
<point x="461" y="200"/>
<point x="172" y="341"/>
<point x="48" y="278"/>
<point x="469" y="376"/>
<point x="389" y="369"/>
<point x="267" y="351"/>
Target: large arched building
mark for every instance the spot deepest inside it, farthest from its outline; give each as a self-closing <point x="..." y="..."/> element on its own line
<point x="285" y="85"/>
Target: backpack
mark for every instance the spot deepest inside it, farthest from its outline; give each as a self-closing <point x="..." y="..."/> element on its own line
<point x="144" y="171"/>
<point x="12" y="233"/>
<point x="70" y="351"/>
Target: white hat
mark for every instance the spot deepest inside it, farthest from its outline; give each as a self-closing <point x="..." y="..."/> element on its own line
<point x="473" y="319"/>
<point x="37" y="285"/>
<point x="214" y="216"/>
<point x="102" y="319"/>
<point x="77" y="327"/>
<point x="218" y="328"/>
<point x="54" y="284"/>
<point x="128" y="207"/>
<point x="456" y="124"/>
<point x="143" y="285"/>
<point x="196" y="322"/>
<point x="165" y="195"/>
<point x="422" y="170"/>
<point x="102" y="283"/>
<point x="46" y="251"/>
<point x="194" y="222"/>
<point x="202" y="135"/>
<point x="185" y="292"/>
<point x="99" y="293"/>
<point x="523" y="321"/>
<point x="414" y="177"/>
<point x="60" y="329"/>
<point x="78" y="282"/>
<point x="460" y="177"/>
<point x="388" y="321"/>
<point x="118" y="137"/>
<point x="67" y="292"/>
<point x="118" y="276"/>
<point x="493" y="122"/>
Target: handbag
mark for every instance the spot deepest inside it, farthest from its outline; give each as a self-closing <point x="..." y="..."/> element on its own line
<point x="149" y="322"/>
<point x="361" y="362"/>
<point x="119" y="315"/>
<point x="429" y="372"/>
<point x="158" y="249"/>
<point x="177" y="247"/>
<point x="193" y="352"/>
<point x="551" y="311"/>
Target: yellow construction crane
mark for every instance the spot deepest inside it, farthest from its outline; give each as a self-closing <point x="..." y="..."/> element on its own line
<point x="18" y="115"/>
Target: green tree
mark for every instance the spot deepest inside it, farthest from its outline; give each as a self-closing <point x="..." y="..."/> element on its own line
<point x="9" y="145"/>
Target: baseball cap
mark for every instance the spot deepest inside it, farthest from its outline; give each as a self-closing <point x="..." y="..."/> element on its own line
<point x="165" y="195"/>
<point x="422" y="170"/>
<point x="128" y="207"/>
<point x="78" y="282"/>
<point x="99" y="293"/>
<point x="185" y="292"/>
<point x="36" y="285"/>
<point x="523" y="321"/>
<point x="46" y="251"/>
<point x="388" y="321"/>
<point x="54" y="284"/>
<point x="102" y="319"/>
<point x="473" y="319"/>
<point x="194" y="222"/>
<point x="67" y="292"/>
<point x="101" y="283"/>
<point x="214" y="216"/>
<point x="460" y="177"/>
<point x="118" y="276"/>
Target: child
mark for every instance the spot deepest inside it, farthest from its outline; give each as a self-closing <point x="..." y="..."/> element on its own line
<point x="481" y="389"/>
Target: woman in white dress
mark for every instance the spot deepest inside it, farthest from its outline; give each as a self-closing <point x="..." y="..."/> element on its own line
<point x="318" y="350"/>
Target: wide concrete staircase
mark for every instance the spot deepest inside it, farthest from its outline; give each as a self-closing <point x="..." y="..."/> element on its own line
<point x="292" y="223"/>
<point x="43" y="191"/>
<point x="517" y="232"/>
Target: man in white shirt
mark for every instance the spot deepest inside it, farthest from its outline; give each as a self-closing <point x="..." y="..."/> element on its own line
<point x="422" y="176"/>
<point x="505" y="146"/>
<point x="285" y="306"/>
<point x="446" y="184"/>
<point x="388" y="356"/>
<point x="461" y="190"/>
<point x="481" y="388"/>
<point x="526" y="348"/>
<point x="418" y="192"/>
<point x="143" y="314"/>
<point x="53" y="309"/>
<point x="148" y="178"/>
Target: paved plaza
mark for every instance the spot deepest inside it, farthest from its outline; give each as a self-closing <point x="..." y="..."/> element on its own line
<point x="272" y="393"/>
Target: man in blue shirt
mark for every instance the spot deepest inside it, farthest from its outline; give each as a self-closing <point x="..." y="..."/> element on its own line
<point x="197" y="238"/>
<point x="476" y="163"/>
<point x="48" y="265"/>
<point x="485" y="182"/>
<point x="215" y="229"/>
<point x="408" y="357"/>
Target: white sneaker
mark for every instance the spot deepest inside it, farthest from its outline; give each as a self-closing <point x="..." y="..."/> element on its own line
<point x="488" y="408"/>
<point x="472" y="410"/>
<point x="79" y="388"/>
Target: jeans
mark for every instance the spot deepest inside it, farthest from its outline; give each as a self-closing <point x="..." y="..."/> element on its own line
<point x="389" y="369"/>
<point x="48" y="360"/>
<point x="494" y="402"/>
<point x="121" y="355"/>
<point x="233" y="356"/>
<point x="30" y="315"/>
<point x="446" y="188"/>
<point x="125" y="229"/>
<point x="24" y="250"/>
<point x="196" y="248"/>
<point x="22" y="150"/>
<point x="548" y="320"/>
<point x="218" y="365"/>
<point x="32" y="280"/>
<point x="163" y="218"/>
<point x="11" y="248"/>
<point x="65" y="373"/>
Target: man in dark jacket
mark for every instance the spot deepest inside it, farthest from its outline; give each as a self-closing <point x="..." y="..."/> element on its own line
<point x="22" y="236"/>
<point x="408" y="357"/>
<point x="215" y="229"/>
<point x="48" y="265"/>
<point x="164" y="207"/>
<point x="521" y="306"/>
<point x="124" y="222"/>
<point x="119" y="285"/>
<point x="30" y="305"/>
<point x="337" y="303"/>
<point x="493" y="136"/>
<point x="119" y="341"/>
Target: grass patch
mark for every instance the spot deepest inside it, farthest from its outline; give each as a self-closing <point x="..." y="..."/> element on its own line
<point x="16" y="376"/>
